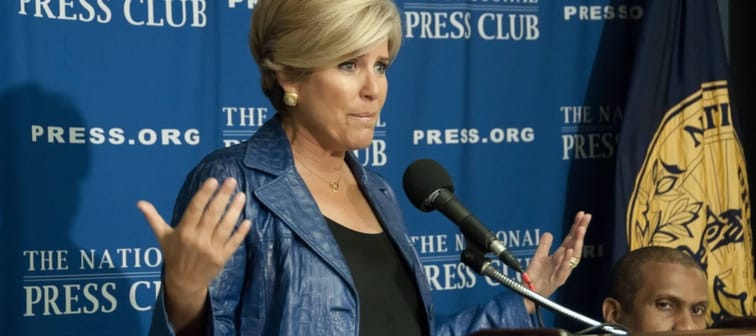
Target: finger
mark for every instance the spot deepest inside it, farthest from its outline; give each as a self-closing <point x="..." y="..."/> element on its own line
<point x="563" y="269"/>
<point x="578" y="241"/>
<point x="230" y="218"/>
<point x="233" y="243"/>
<point x="558" y="255"/>
<point x="196" y="207"/>
<point x="586" y="221"/>
<point x="556" y="259"/>
<point x="577" y="234"/>
<point x="576" y="222"/>
<point x="158" y="225"/>
<point x="542" y="251"/>
<point x="578" y="216"/>
<point x="217" y="207"/>
<point x="581" y="221"/>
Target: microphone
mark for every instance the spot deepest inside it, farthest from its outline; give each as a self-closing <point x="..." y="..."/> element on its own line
<point x="429" y="187"/>
<point x="474" y="258"/>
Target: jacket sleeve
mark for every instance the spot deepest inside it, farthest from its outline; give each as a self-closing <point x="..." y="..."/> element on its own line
<point x="506" y="310"/>
<point x="224" y="292"/>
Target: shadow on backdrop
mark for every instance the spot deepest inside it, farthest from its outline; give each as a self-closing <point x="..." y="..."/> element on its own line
<point x="41" y="197"/>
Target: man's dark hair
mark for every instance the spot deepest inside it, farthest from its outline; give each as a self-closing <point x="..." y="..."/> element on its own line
<point x="628" y="271"/>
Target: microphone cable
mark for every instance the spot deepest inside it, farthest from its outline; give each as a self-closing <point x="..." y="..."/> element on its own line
<point x="473" y="250"/>
<point x="526" y="279"/>
<point x="539" y="319"/>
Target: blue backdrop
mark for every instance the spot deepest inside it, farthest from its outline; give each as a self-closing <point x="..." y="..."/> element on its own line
<point x="103" y="103"/>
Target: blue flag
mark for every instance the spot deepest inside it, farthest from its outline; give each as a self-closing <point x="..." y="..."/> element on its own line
<point x="681" y="173"/>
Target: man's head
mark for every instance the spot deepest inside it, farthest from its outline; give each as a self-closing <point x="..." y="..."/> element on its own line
<point x="657" y="289"/>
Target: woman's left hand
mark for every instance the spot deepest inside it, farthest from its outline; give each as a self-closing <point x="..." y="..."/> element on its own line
<point x="548" y="272"/>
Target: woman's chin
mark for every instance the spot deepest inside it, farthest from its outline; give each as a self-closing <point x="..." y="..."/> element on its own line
<point x="361" y="141"/>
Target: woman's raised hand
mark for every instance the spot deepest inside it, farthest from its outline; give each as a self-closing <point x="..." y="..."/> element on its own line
<point x="195" y="251"/>
<point x="549" y="272"/>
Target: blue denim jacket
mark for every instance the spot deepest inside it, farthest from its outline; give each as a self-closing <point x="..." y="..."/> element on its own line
<point x="288" y="277"/>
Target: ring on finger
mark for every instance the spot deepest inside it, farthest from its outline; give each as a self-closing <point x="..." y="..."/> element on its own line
<point x="573" y="262"/>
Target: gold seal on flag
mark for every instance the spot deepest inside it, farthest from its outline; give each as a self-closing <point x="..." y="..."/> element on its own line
<point x="691" y="193"/>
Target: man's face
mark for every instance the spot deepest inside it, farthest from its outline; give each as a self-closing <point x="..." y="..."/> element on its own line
<point x="671" y="297"/>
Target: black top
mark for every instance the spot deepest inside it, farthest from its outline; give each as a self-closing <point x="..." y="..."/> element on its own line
<point x="389" y="300"/>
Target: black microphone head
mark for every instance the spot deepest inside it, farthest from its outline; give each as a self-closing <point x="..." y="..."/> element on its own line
<point x="422" y="178"/>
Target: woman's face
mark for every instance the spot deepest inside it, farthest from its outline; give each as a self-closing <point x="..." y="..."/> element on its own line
<point x="339" y="106"/>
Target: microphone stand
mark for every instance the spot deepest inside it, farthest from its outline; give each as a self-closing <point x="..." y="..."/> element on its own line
<point x="482" y="265"/>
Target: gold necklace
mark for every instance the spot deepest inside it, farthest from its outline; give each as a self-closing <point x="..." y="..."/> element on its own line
<point x="334" y="185"/>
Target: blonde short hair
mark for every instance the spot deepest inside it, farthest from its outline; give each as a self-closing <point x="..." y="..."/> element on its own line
<point x="296" y="37"/>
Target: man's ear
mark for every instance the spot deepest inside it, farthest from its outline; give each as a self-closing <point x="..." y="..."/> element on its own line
<point x="611" y="309"/>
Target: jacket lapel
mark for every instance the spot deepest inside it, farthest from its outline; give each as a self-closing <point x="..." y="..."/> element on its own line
<point x="383" y="202"/>
<point x="288" y="198"/>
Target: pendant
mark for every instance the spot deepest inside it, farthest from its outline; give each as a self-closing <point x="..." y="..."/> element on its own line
<point x="334" y="186"/>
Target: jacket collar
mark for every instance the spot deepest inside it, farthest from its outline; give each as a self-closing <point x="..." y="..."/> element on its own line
<point x="269" y="151"/>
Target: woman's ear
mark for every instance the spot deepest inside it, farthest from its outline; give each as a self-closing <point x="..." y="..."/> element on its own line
<point x="611" y="309"/>
<point x="287" y="84"/>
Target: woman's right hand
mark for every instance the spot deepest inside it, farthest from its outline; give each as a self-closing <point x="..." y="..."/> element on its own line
<point x="195" y="251"/>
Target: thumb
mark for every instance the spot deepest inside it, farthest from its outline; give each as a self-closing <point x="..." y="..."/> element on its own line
<point x="158" y="225"/>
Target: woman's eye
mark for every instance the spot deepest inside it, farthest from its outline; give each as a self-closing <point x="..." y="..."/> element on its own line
<point x="381" y="68"/>
<point x="348" y="65"/>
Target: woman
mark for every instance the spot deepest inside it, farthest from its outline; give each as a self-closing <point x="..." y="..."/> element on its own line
<point x="321" y="248"/>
